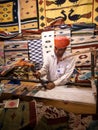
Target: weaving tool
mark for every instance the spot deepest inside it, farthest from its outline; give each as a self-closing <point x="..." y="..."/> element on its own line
<point x="43" y="83"/>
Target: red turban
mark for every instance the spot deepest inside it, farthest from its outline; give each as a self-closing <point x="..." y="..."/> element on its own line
<point x="61" y="42"/>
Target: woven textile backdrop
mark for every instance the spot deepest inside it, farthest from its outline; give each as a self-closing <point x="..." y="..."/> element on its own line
<point x="9" y="20"/>
<point x="71" y="10"/>
<point x="15" y="50"/>
<point x="17" y="15"/>
<point x="29" y="14"/>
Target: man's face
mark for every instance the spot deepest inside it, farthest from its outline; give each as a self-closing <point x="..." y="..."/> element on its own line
<point x="59" y="51"/>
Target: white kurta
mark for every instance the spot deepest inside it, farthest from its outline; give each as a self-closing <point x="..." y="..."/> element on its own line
<point x="59" y="73"/>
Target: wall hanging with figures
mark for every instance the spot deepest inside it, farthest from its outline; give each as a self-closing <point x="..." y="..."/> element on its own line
<point x="38" y="14"/>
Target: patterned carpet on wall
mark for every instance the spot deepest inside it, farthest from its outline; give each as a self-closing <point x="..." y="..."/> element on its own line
<point x="15" y="50"/>
<point x="29" y="14"/>
<point x="18" y="15"/>
<point x="82" y="41"/>
<point x="9" y="21"/>
<point x="35" y="52"/>
<point x="84" y="61"/>
<point x="71" y="11"/>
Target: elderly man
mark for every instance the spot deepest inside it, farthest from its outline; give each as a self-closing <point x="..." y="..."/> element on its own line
<point x="56" y="70"/>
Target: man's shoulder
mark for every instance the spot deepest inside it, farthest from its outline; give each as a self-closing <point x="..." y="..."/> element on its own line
<point x="69" y="56"/>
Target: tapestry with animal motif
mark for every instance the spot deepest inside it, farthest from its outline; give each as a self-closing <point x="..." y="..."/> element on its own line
<point x="95" y="12"/>
<point x="18" y="15"/>
<point x="71" y="11"/>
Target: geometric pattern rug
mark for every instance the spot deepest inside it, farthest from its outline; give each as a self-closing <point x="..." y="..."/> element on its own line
<point x="35" y="52"/>
<point x="9" y="18"/>
<point x="18" y="118"/>
<point x="15" y="50"/>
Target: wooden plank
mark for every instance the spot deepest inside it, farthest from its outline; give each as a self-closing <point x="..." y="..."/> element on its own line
<point x="70" y="106"/>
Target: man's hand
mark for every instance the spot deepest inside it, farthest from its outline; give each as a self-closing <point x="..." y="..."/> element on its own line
<point x="50" y="85"/>
<point x="37" y="74"/>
